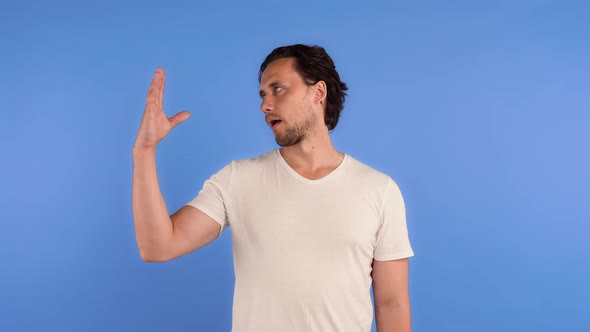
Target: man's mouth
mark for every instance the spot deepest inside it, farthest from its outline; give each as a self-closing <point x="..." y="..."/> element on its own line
<point x="274" y="123"/>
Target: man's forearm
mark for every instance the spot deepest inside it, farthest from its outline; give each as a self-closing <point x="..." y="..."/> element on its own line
<point x="152" y="221"/>
<point x="393" y="318"/>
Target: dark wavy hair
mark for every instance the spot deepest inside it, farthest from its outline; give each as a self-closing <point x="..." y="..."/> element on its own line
<point x="314" y="65"/>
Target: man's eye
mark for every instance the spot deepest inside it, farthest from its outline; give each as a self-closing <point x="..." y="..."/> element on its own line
<point x="277" y="89"/>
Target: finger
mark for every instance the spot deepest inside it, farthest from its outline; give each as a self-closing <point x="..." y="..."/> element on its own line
<point x="161" y="85"/>
<point x="178" y="118"/>
<point x="153" y="91"/>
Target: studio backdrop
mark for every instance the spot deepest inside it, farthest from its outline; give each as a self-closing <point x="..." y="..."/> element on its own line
<point x="478" y="110"/>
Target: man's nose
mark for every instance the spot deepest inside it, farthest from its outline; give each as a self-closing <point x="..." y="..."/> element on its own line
<point x="267" y="105"/>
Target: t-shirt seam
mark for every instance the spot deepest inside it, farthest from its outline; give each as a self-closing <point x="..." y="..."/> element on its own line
<point x="205" y="209"/>
<point x="394" y="256"/>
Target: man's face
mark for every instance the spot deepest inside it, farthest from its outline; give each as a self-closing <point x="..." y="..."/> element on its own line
<point x="286" y="102"/>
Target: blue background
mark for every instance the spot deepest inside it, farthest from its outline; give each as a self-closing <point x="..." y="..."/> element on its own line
<point x="478" y="110"/>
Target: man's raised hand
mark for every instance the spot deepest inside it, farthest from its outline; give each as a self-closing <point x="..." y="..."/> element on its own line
<point x="155" y="125"/>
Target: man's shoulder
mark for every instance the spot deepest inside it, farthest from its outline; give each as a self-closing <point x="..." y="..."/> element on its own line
<point x="365" y="171"/>
<point x="258" y="160"/>
<point x="362" y="175"/>
<point x="242" y="165"/>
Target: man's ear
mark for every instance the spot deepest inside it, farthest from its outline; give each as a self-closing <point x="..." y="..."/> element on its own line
<point x="321" y="92"/>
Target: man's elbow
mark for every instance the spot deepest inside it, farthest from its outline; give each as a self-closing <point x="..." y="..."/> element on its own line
<point x="393" y="304"/>
<point x="151" y="258"/>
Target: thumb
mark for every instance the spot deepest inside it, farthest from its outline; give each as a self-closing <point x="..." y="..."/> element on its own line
<point x="178" y="118"/>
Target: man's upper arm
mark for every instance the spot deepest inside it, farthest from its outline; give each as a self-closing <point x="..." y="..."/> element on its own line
<point x="192" y="229"/>
<point x="390" y="282"/>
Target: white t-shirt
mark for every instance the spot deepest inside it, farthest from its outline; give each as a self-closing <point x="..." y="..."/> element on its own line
<point x="303" y="249"/>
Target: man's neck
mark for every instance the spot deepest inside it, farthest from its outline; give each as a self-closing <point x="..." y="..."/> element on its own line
<point x="314" y="156"/>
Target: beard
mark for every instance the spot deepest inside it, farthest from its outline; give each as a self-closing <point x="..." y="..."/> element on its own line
<point x="295" y="133"/>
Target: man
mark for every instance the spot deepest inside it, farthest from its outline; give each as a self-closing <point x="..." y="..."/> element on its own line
<point x="312" y="227"/>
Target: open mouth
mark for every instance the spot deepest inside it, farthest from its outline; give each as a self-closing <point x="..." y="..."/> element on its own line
<point x="274" y="123"/>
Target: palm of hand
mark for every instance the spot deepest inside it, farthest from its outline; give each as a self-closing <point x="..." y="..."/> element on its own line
<point x="155" y="125"/>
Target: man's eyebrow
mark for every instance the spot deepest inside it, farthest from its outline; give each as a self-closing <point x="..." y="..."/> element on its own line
<point x="271" y="85"/>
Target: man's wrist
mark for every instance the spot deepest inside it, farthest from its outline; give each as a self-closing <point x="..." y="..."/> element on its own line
<point x="141" y="151"/>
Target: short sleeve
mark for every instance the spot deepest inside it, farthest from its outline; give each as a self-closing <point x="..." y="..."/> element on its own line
<point x="392" y="237"/>
<point x="212" y="199"/>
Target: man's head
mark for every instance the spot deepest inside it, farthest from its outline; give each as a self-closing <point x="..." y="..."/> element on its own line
<point x="314" y="69"/>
